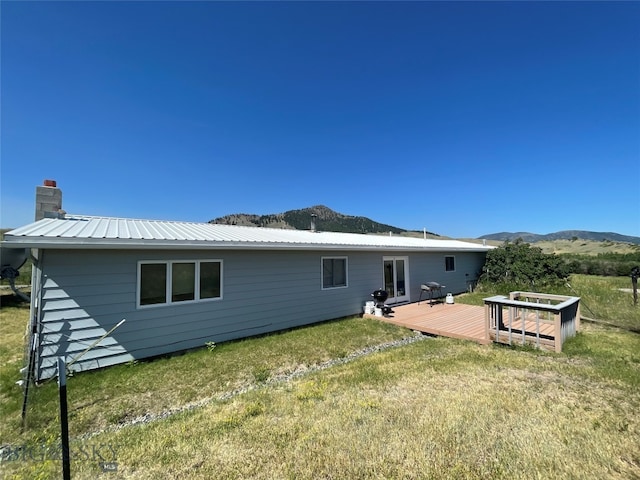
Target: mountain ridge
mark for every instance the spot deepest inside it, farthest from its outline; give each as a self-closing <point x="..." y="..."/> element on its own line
<point x="562" y="235"/>
<point x="326" y="219"/>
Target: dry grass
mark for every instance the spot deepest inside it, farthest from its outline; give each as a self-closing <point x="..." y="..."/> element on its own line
<point x="99" y="399"/>
<point x="435" y="409"/>
<point x="440" y="416"/>
<point x="585" y="247"/>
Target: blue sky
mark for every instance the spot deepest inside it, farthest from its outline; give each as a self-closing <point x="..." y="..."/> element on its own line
<point x="462" y="118"/>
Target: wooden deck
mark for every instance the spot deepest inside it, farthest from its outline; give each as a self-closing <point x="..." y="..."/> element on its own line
<point x="523" y="318"/>
<point x="456" y="321"/>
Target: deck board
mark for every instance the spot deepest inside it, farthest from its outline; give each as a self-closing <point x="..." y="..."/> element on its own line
<point x="461" y="321"/>
<point x="456" y="321"/>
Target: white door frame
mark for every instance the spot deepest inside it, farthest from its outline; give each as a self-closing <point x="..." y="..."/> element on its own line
<point x="398" y="289"/>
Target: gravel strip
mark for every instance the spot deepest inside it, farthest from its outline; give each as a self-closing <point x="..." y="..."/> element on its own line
<point x="301" y="371"/>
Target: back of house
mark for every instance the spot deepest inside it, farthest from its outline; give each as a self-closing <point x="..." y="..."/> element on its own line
<point x="179" y="285"/>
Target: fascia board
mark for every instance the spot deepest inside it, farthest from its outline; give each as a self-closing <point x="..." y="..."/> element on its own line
<point x="77" y="243"/>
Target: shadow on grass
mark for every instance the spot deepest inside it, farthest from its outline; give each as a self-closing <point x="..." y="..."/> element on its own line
<point x="635" y="330"/>
<point x="11" y="300"/>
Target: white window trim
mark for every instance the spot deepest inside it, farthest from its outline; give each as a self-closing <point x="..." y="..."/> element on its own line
<point x="454" y="263"/>
<point x="346" y="272"/>
<point x="169" y="265"/>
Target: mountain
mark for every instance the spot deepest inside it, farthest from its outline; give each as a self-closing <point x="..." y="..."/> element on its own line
<point x="562" y="235"/>
<point x="331" y="221"/>
<point x="325" y="220"/>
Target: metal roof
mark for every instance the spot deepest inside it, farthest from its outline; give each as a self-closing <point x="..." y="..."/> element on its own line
<point x="81" y="231"/>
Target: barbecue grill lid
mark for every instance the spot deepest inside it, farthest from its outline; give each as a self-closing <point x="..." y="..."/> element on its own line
<point x="380" y="295"/>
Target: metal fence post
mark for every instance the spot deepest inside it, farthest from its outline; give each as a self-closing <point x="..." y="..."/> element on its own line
<point x="64" y="419"/>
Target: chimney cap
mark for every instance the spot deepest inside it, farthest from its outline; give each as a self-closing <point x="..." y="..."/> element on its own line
<point x="50" y="183"/>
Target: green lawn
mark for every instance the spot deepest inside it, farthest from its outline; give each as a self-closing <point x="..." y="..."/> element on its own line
<point x="277" y="407"/>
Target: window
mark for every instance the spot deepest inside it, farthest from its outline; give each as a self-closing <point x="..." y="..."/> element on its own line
<point x="153" y="283"/>
<point x="449" y="264"/>
<point x="183" y="282"/>
<point x="161" y="283"/>
<point x="334" y="272"/>
<point x="210" y="279"/>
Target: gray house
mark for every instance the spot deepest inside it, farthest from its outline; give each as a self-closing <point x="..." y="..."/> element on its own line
<point x="179" y="285"/>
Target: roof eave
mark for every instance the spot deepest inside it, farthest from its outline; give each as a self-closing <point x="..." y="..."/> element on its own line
<point x="116" y="244"/>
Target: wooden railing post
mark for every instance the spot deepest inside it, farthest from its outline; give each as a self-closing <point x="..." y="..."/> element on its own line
<point x="558" y="328"/>
<point x="487" y="320"/>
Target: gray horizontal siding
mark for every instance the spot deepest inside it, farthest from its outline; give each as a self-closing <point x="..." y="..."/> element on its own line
<point x="85" y="293"/>
<point x="48" y="368"/>
<point x="431" y="268"/>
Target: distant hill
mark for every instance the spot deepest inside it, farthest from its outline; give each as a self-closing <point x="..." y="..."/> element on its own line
<point x="325" y="220"/>
<point x="563" y="235"/>
<point x="331" y="221"/>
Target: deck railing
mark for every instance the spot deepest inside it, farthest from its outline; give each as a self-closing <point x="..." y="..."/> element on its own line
<point x="526" y="317"/>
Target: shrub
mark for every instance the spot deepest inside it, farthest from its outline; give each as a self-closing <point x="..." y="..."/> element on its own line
<point x="519" y="266"/>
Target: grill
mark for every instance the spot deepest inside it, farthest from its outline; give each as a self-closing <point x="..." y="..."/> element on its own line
<point x="380" y="296"/>
<point x="433" y="289"/>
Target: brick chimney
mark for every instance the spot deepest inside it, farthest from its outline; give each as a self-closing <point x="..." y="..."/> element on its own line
<point x="48" y="201"/>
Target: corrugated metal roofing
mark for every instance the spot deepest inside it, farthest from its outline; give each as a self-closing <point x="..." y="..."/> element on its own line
<point x="80" y="231"/>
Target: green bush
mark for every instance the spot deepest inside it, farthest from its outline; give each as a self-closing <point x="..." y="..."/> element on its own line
<point x="519" y="266"/>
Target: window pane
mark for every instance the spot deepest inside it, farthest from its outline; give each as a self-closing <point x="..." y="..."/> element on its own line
<point x="183" y="282"/>
<point x="339" y="272"/>
<point x="210" y="280"/>
<point x="449" y="264"/>
<point x="327" y="273"/>
<point x="400" y="277"/>
<point x="153" y="283"/>
<point x="334" y="272"/>
<point x="389" y="285"/>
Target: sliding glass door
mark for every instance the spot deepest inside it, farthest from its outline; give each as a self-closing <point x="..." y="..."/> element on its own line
<point x="396" y="278"/>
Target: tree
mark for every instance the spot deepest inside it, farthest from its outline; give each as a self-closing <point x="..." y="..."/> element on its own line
<point x="519" y="266"/>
